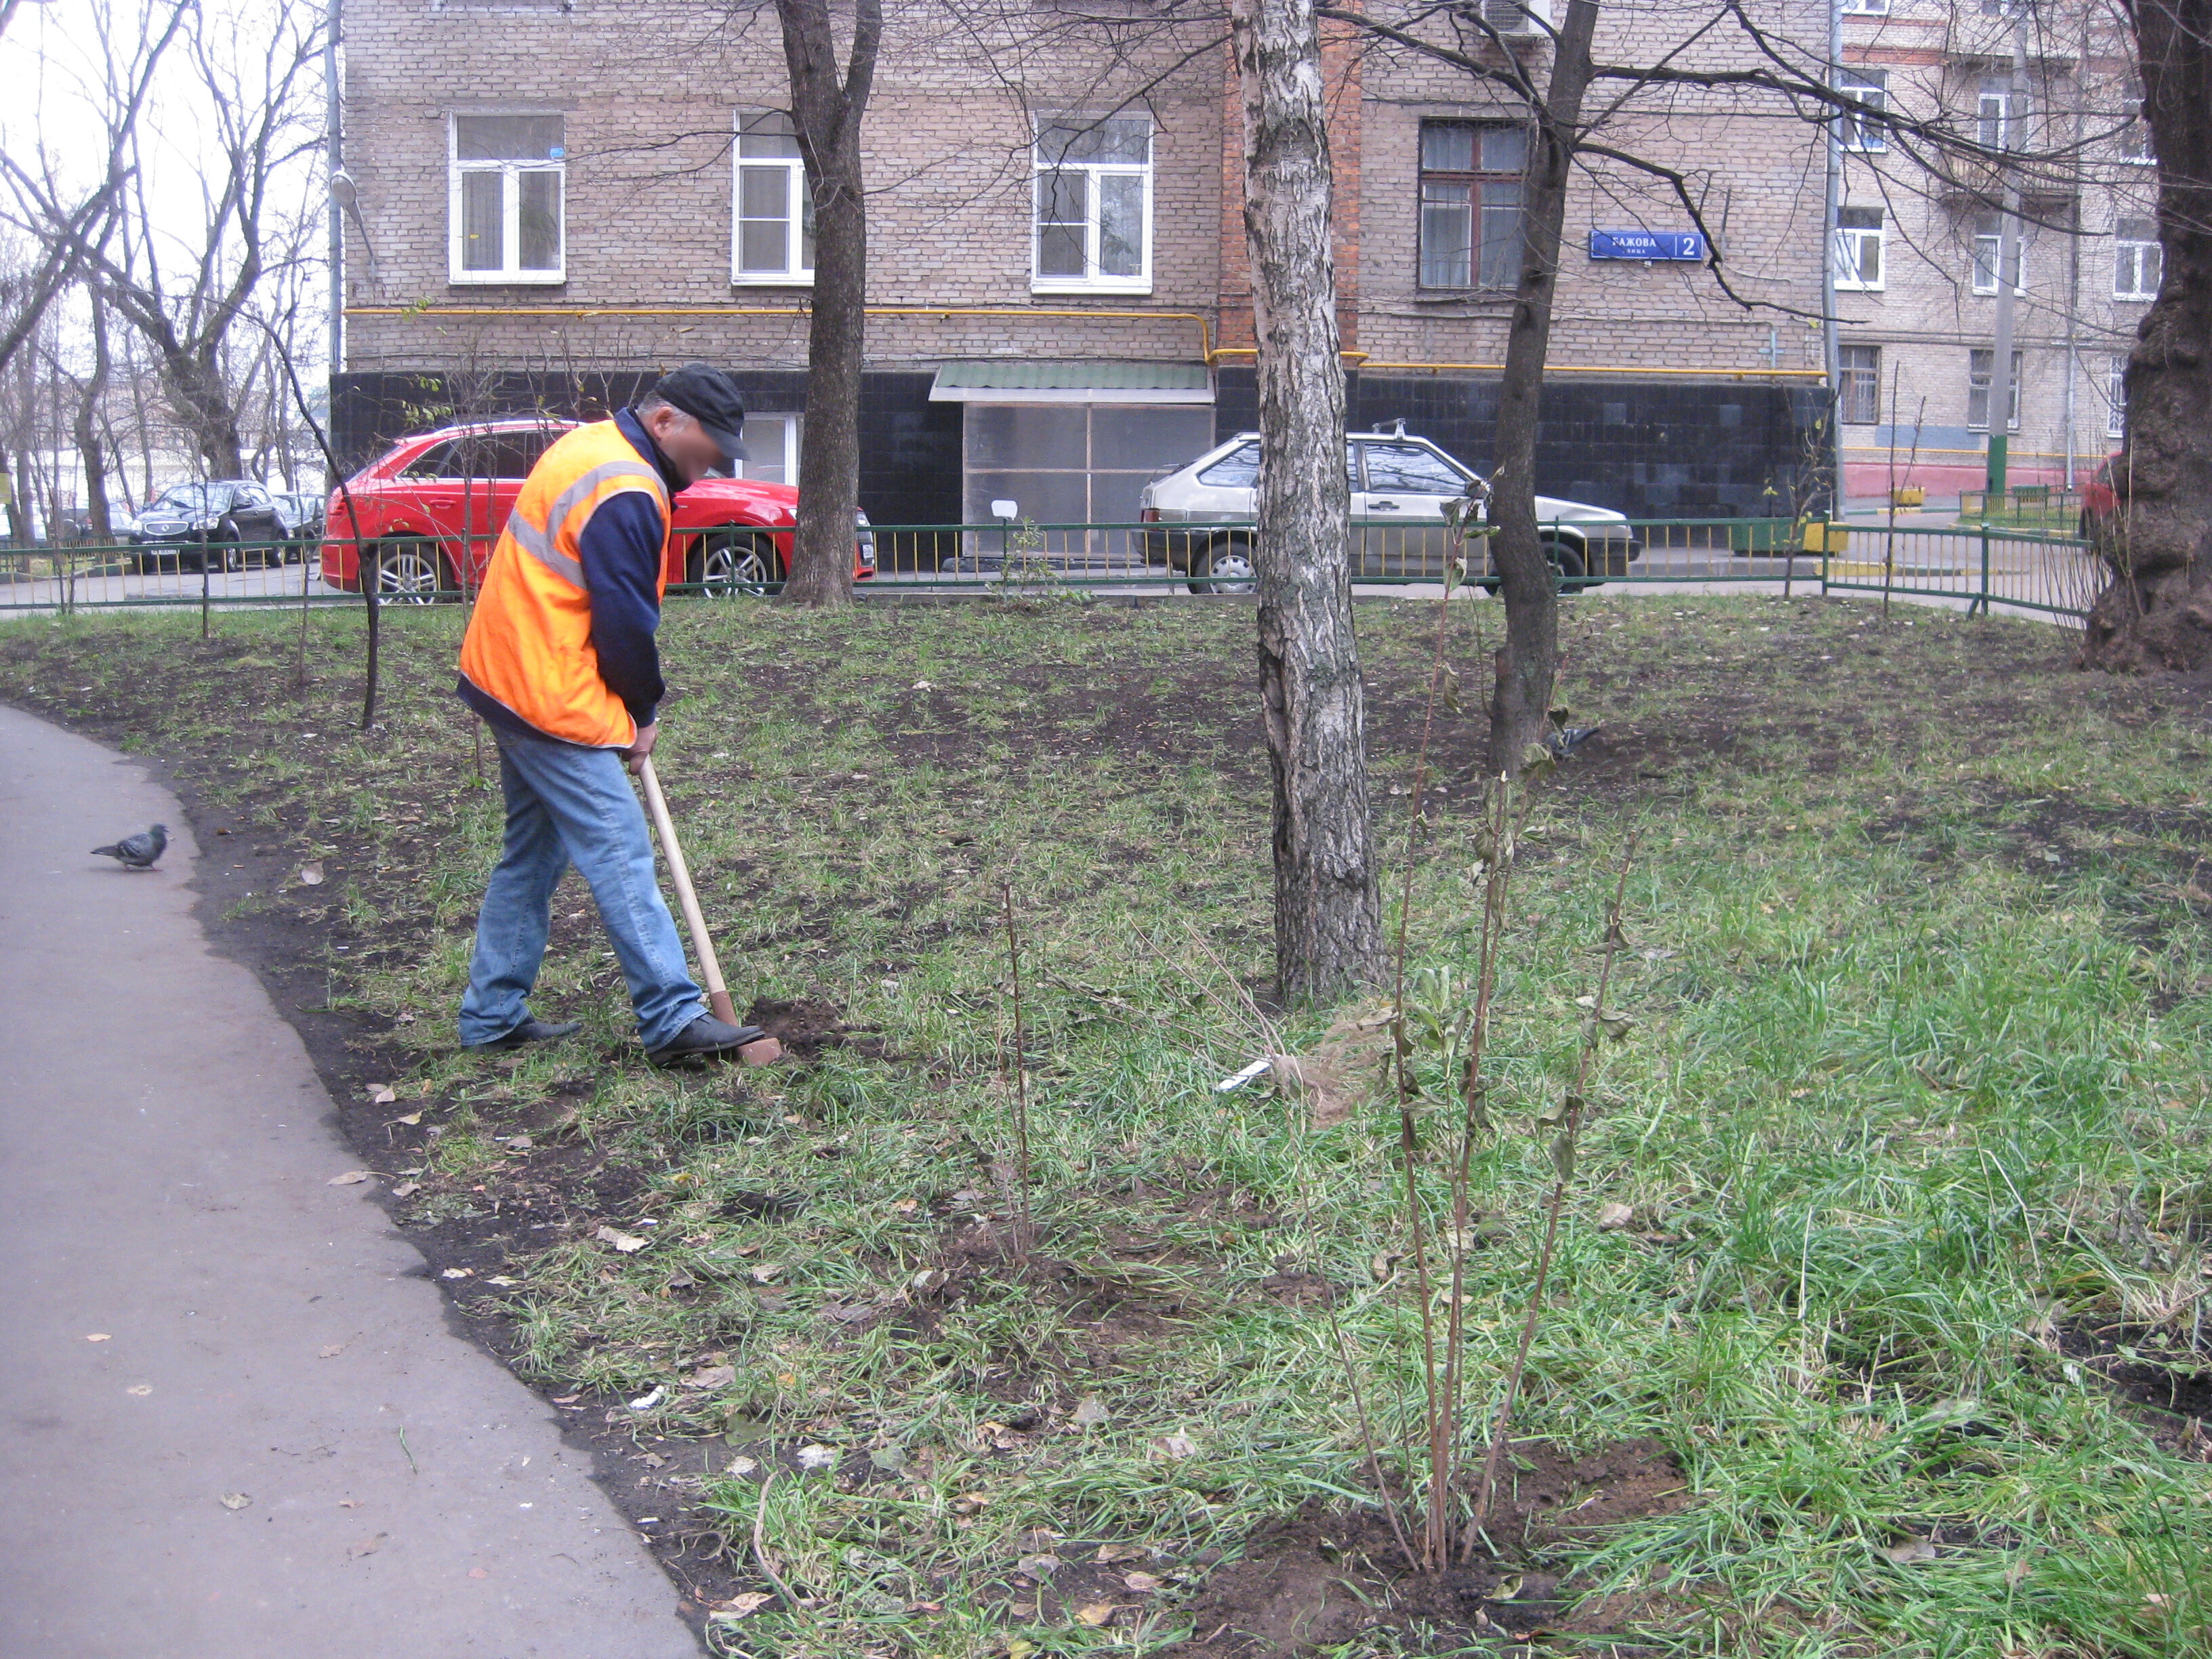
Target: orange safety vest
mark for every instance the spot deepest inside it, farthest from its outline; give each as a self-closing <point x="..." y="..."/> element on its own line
<point x="529" y="644"/>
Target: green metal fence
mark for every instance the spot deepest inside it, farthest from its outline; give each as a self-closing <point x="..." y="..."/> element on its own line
<point x="1979" y="566"/>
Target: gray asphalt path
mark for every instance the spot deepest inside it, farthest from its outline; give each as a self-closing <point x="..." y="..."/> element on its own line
<point x="233" y="1420"/>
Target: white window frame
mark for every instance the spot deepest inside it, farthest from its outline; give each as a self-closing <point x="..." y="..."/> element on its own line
<point x="793" y="274"/>
<point x="1865" y="8"/>
<point x="2019" y="374"/>
<point x="1870" y="86"/>
<point x="1983" y="274"/>
<point x="510" y="275"/>
<point x="1993" y="107"/>
<point x="1849" y="260"/>
<point x="788" y="463"/>
<point x="2116" y="395"/>
<point x="2131" y="257"/>
<point x="1094" y="283"/>
<point x="2134" y="143"/>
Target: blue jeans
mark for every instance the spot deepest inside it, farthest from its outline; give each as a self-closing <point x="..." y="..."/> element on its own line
<point x="570" y="805"/>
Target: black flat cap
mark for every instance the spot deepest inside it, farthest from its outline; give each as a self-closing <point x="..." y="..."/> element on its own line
<point x="710" y="398"/>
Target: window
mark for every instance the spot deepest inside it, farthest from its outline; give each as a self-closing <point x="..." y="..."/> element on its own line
<point x="1240" y="469"/>
<point x="1471" y="204"/>
<point x="771" y="444"/>
<point x="1860" y="391"/>
<point x="2134" y="141"/>
<point x="2116" y="395"/>
<point x="1858" y="248"/>
<point x="1989" y="250"/>
<point x="1865" y="8"/>
<point x="772" y="238"/>
<point x="1979" y="363"/>
<point x="505" y="198"/>
<point x="1993" y="114"/>
<point x="2138" y="261"/>
<point x="1870" y="87"/>
<point x="1411" y="469"/>
<point x="1094" y="206"/>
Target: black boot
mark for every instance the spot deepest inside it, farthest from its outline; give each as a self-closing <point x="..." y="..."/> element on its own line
<point x="530" y="1031"/>
<point x="704" y="1038"/>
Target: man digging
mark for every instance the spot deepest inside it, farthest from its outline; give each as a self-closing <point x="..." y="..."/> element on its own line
<point x="561" y="662"/>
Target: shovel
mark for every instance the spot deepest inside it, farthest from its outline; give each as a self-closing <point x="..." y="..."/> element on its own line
<point x="764" y="1051"/>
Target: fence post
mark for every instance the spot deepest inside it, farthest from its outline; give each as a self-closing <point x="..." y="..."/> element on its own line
<point x="1982" y="604"/>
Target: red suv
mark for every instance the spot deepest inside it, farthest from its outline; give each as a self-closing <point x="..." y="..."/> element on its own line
<point x="429" y="494"/>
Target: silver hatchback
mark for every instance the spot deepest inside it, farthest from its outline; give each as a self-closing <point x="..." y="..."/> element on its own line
<point x="1400" y="485"/>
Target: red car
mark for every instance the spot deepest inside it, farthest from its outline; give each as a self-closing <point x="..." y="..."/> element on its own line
<point x="431" y="493"/>
<point x="2099" y="502"/>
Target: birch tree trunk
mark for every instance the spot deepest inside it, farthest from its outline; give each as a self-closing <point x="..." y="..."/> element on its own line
<point x="2157" y="613"/>
<point x="1328" y="914"/>
<point x="826" y="111"/>
<point x="1529" y="663"/>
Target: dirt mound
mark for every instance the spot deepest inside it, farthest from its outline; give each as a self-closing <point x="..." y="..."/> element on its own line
<point x="1323" y="1576"/>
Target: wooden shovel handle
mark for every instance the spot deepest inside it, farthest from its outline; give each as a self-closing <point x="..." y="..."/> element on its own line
<point x="710" y="967"/>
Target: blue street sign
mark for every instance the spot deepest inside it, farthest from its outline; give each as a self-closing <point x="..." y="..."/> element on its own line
<point x="1647" y="244"/>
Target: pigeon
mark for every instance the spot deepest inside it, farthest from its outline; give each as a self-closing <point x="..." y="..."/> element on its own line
<point x="1565" y="741"/>
<point x="139" y="852"/>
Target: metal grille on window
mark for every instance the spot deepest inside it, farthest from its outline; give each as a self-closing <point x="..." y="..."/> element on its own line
<point x="1860" y="367"/>
<point x="1980" y="364"/>
<point x="1471" y="204"/>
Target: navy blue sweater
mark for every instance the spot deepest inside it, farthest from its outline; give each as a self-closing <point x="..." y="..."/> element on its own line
<point x="621" y="547"/>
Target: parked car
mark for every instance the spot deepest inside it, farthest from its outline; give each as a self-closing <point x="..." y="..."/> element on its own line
<point x="199" y="525"/>
<point x="430" y="493"/>
<point x="2099" y="501"/>
<point x="1400" y="484"/>
<point x="302" y="515"/>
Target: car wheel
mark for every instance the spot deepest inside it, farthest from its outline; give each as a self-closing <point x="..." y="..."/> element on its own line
<point x="728" y="562"/>
<point x="1567" y="568"/>
<point x="410" y="572"/>
<point x="1224" y="568"/>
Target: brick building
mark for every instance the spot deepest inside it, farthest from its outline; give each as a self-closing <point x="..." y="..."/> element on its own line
<point x="556" y="200"/>
<point x="1917" y="254"/>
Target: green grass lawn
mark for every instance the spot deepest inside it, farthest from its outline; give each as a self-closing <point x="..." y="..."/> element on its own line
<point x="1912" y="1127"/>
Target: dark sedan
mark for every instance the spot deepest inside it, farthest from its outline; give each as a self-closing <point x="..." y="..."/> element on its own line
<point x="193" y="526"/>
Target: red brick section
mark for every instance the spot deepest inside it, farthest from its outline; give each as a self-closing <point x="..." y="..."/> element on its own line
<point x="1342" y="63"/>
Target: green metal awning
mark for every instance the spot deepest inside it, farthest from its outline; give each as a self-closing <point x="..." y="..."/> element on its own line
<point x="1026" y="380"/>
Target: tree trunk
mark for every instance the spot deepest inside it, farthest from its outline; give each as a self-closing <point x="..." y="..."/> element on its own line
<point x="1328" y="914"/>
<point x="1529" y="659"/>
<point x="827" y="111"/>
<point x="2157" y="612"/>
<point x="89" y="447"/>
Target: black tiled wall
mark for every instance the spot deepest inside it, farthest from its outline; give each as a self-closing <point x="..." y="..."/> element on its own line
<point x="1651" y="449"/>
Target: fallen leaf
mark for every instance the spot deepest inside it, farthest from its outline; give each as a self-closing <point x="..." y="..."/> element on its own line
<point x="1094" y="1613"/>
<point x="931" y="1278"/>
<point x="331" y="1352"/>
<point x="311" y="875"/>
<point x="1019" y="1648"/>
<point x="889" y="1459"/>
<point x="817" y="1457"/>
<point x="351" y="1178"/>
<point x="458" y="1273"/>
<point x="407" y="1188"/>
<point x="233" y="1500"/>
<point x="366" y="1546"/>
<point x="503" y="1281"/>
<point x="411" y="1119"/>
<point x="712" y="1376"/>
<point x="1143" y="1583"/>
<point x="380" y="1094"/>
<point x="767" y="1271"/>
<point x="140" y="1389"/>
<point x="97" y="1336"/>
<point x="628" y="1243"/>
<point x="742" y="1465"/>
<point x="1911" y="1550"/>
<point x="740" y="1606"/>
<point x="1175" y="1445"/>
<point x="1038" y="1566"/>
<point x="906" y="1205"/>
<point x="646" y="1402"/>
<point x="1108" y="1554"/>
<point x="1089" y="1413"/>
<point x="1611" y="1218"/>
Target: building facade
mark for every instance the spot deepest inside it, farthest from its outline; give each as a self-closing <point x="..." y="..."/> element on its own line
<point x="1918" y="249"/>
<point x="557" y="201"/>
